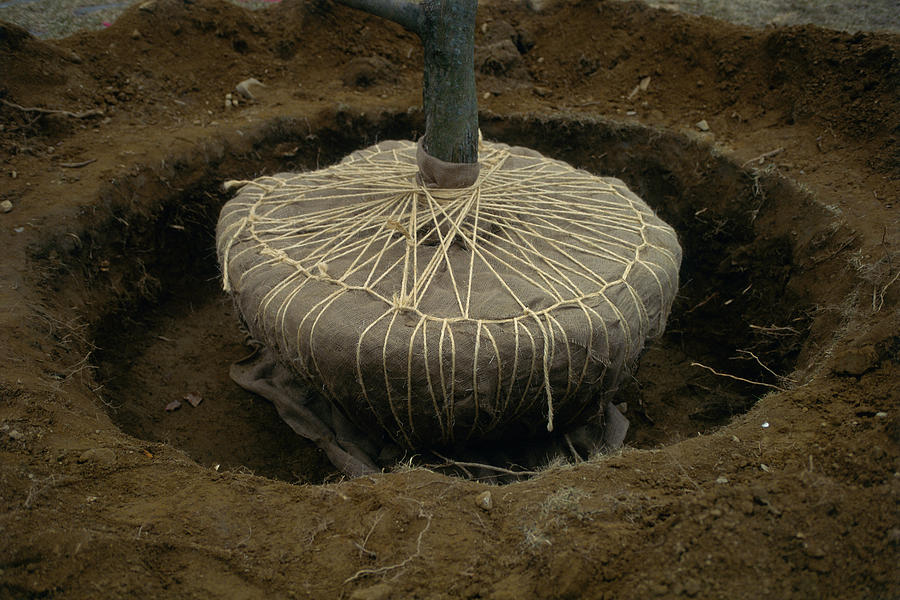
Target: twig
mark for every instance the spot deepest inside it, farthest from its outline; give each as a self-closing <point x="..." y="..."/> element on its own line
<point x="77" y="165"/>
<point x="362" y="547"/>
<point x="94" y="112"/>
<point x="572" y="449"/>
<point x="752" y="356"/>
<point x="775" y="330"/>
<point x="769" y="385"/>
<point x="462" y="465"/>
<point x="244" y="541"/>
<point x="878" y="296"/>
<point x="399" y="565"/>
<point x="762" y="157"/>
<point x="837" y="251"/>
<point x="37" y="488"/>
<point x="702" y="302"/>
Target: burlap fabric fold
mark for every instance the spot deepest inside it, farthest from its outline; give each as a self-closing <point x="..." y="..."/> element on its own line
<point x="500" y="310"/>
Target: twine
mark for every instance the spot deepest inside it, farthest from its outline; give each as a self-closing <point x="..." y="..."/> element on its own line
<point x="368" y="225"/>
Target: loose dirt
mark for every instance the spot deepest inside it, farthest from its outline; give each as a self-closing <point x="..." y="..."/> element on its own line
<point x="764" y="452"/>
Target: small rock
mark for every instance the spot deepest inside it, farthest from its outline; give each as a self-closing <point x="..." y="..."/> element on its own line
<point x="722" y="480"/>
<point x="379" y="591"/>
<point x="135" y="35"/>
<point x="6" y="206"/>
<point x="702" y="125"/>
<point x="855" y="361"/>
<point x="243" y="88"/>
<point x="484" y="500"/>
<point x="173" y="405"/>
<point x="100" y="456"/>
<point x="540" y="5"/>
<point x="542" y="91"/>
<point x="16" y="434"/>
<point x="814" y="551"/>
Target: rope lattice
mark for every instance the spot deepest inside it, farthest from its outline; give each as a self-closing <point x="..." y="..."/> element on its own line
<point x="458" y="310"/>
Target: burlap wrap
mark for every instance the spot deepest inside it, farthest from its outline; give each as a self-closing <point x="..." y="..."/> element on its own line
<point x="500" y="310"/>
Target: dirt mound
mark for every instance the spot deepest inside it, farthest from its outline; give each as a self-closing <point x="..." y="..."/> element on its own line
<point x="772" y="152"/>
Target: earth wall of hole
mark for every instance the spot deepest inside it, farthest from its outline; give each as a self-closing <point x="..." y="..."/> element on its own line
<point x="145" y="260"/>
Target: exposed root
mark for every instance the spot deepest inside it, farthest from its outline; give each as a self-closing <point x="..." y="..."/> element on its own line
<point x="94" y="112"/>
<point x="399" y="565"/>
<point x="747" y="355"/>
<point x="473" y="465"/>
<point x="735" y="377"/>
<point x="762" y="157"/>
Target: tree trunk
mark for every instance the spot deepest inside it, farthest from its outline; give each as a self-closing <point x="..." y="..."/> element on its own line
<point x="447" y="31"/>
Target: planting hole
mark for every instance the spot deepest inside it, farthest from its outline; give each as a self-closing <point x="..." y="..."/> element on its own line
<point x="736" y="331"/>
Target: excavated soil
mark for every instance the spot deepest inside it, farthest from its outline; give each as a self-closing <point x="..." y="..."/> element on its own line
<point x="763" y="458"/>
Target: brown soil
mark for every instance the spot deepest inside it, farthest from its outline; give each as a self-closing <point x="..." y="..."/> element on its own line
<point x="783" y="483"/>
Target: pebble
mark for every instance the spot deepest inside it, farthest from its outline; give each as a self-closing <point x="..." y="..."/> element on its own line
<point x="6" y="206"/>
<point x="702" y="125"/>
<point x="101" y="456"/>
<point x="814" y="551"/>
<point x="16" y="434"/>
<point x="539" y="5"/>
<point x="722" y="480"/>
<point x="484" y="500"/>
<point x="243" y="88"/>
